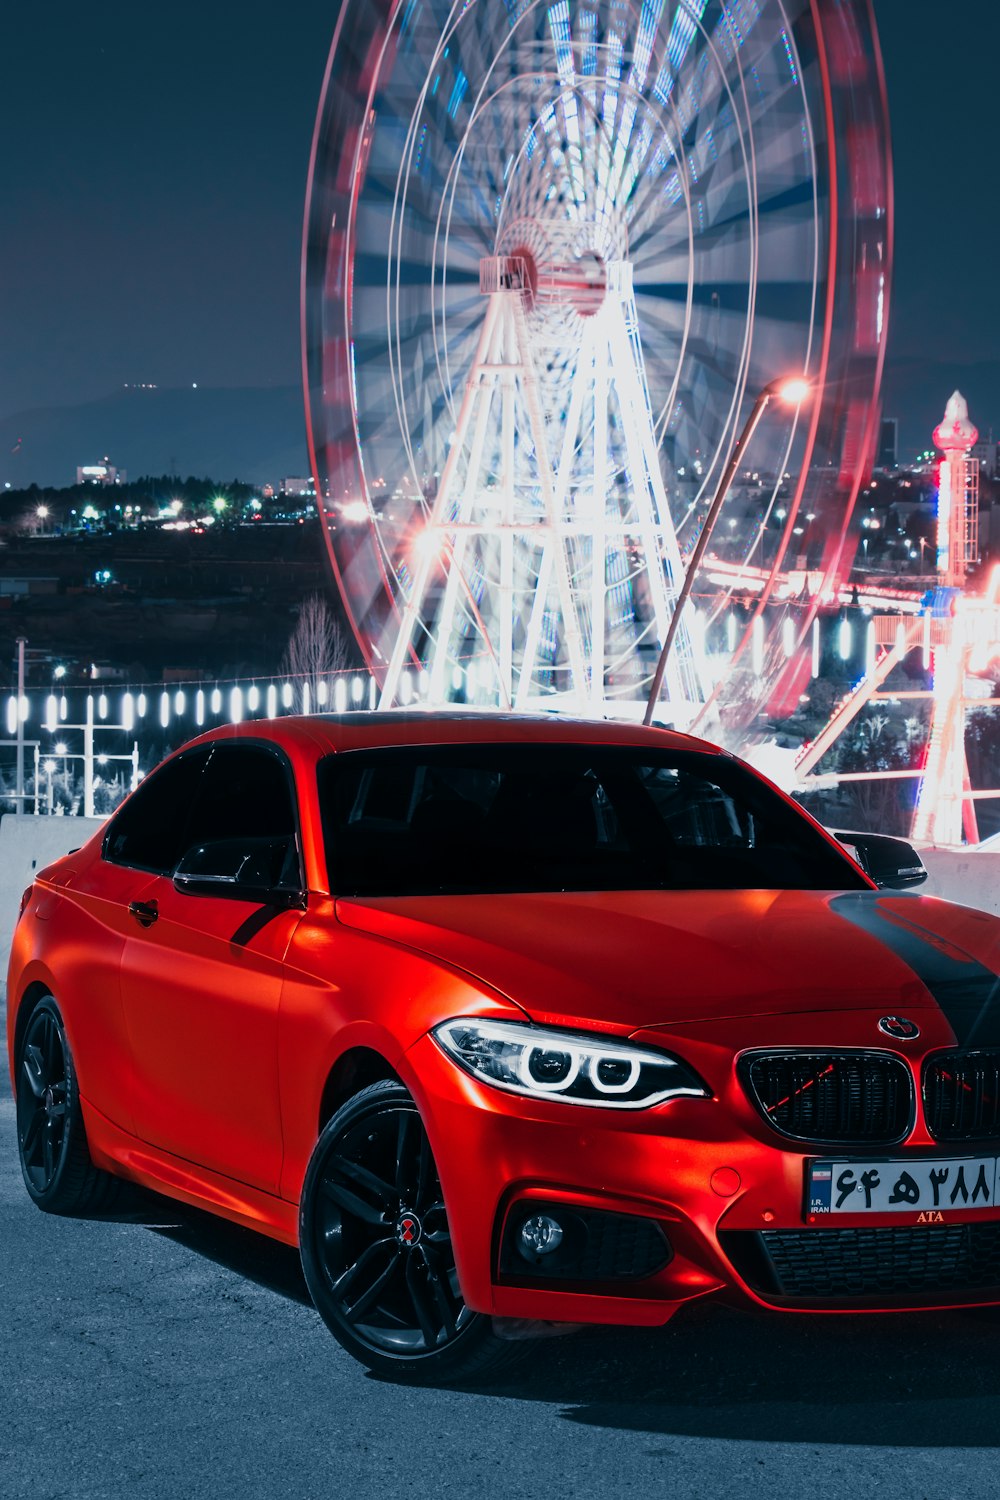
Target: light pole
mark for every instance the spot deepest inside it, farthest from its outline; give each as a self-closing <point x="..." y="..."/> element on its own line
<point x="792" y="391"/>
<point x="22" y="642"/>
<point x="48" y="766"/>
<point x="53" y="724"/>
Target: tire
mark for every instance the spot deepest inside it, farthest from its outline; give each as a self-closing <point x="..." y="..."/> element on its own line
<point x="376" y="1248"/>
<point x="51" y="1138"/>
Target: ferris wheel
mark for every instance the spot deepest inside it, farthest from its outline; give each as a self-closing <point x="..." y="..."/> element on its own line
<point x="550" y="252"/>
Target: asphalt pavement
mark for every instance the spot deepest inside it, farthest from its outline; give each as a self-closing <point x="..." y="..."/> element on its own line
<point x="164" y="1353"/>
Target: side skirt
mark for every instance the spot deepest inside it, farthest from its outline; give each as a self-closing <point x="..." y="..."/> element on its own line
<point x="126" y="1156"/>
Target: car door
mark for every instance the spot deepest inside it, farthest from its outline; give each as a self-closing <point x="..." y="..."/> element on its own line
<point x="201" y="985"/>
<point x="95" y="922"/>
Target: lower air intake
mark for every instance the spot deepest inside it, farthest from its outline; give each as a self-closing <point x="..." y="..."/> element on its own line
<point x="842" y="1264"/>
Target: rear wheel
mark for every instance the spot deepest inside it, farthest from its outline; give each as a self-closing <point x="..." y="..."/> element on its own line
<point x="376" y="1246"/>
<point x="51" y="1138"/>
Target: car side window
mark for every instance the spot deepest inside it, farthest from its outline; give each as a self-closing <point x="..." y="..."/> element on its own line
<point x="150" y="831"/>
<point x="246" y="793"/>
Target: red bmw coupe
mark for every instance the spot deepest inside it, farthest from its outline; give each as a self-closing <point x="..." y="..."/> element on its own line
<point x="509" y="1022"/>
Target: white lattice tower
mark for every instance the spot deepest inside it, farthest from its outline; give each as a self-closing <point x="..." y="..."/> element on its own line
<point x="533" y="545"/>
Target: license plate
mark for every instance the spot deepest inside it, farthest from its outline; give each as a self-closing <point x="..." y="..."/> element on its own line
<point x="887" y="1187"/>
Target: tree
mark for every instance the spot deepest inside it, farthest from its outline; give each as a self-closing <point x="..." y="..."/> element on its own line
<point x="317" y="647"/>
<point x="880" y="740"/>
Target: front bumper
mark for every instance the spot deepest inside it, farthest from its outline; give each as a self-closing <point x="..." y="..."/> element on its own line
<point x="716" y="1190"/>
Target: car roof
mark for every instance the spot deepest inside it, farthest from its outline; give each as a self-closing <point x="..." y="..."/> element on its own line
<point x="323" y="734"/>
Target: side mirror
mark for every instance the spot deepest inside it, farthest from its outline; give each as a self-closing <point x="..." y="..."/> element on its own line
<point x="892" y="863"/>
<point x="260" y="870"/>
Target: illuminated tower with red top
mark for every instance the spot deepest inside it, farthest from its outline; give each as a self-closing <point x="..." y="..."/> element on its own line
<point x="945" y="808"/>
<point x="958" y="494"/>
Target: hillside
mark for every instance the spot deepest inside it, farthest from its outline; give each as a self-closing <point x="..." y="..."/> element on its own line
<point x="255" y="434"/>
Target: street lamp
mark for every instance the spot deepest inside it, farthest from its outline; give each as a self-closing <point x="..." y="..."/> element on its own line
<point x="793" y="392"/>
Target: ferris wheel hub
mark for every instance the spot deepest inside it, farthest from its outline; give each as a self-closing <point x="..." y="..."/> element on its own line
<point x="581" y="286"/>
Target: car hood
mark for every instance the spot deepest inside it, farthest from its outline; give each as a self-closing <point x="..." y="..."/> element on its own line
<point x="624" y="961"/>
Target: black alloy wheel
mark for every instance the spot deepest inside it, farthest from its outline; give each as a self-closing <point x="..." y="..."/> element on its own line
<point x="51" y="1139"/>
<point x="376" y="1247"/>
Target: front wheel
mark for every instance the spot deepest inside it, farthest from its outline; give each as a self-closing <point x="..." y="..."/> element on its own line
<point x="376" y="1247"/>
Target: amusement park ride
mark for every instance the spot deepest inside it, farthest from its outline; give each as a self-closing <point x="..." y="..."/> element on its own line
<point x="553" y="253"/>
<point x="958" y="635"/>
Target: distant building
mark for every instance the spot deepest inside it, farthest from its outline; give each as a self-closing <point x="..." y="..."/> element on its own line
<point x="888" y="444"/>
<point x="293" y="486"/>
<point x="986" y="452"/>
<point x="19" y="587"/>
<point x="102" y="473"/>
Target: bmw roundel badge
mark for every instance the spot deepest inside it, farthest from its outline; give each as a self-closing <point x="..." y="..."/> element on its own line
<point x="899" y="1028"/>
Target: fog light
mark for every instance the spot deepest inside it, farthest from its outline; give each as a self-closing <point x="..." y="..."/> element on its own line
<point x="540" y="1235"/>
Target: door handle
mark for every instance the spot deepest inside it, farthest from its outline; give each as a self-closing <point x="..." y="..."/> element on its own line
<point x="145" y="912"/>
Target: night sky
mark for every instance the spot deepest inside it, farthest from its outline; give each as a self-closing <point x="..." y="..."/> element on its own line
<point x="155" y="171"/>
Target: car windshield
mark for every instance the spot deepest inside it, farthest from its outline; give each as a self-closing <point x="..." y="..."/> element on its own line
<point x="466" y="819"/>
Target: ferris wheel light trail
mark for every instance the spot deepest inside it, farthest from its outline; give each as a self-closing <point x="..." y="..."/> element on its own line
<point x="550" y="251"/>
<point x="793" y="392"/>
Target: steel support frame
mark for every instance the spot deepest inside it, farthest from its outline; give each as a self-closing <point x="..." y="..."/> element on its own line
<point x="609" y="359"/>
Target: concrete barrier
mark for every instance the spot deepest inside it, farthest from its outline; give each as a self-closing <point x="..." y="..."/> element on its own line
<point x="27" y="845"/>
<point x="969" y="876"/>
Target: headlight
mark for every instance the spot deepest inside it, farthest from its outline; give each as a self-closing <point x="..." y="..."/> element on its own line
<point x="565" y="1065"/>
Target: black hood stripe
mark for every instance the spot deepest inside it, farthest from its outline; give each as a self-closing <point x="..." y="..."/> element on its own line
<point x="967" y="992"/>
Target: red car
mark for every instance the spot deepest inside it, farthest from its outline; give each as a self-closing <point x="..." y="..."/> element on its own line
<point x="513" y="1022"/>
